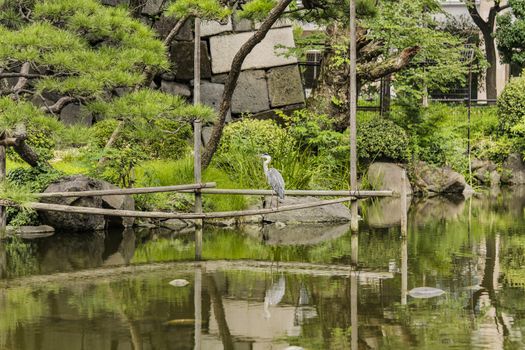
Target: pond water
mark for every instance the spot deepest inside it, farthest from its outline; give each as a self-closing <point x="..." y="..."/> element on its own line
<point x="337" y="291"/>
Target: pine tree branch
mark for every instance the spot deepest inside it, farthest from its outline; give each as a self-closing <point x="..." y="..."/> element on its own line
<point x="58" y="105"/>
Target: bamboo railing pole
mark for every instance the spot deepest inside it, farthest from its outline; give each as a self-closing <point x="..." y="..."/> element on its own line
<point x="123" y="191"/>
<point x="354" y="223"/>
<point x="197" y="138"/>
<point x="314" y="193"/>
<point x="164" y="215"/>
<point x="3" y="217"/>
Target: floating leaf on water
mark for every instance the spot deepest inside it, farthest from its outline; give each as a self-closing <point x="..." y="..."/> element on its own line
<point x="474" y="288"/>
<point x="179" y="283"/>
<point x="181" y="322"/>
<point x="425" y="292"/>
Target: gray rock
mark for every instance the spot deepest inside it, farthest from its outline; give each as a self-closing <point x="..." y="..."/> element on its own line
<point x="329" y="213"/>
<point x="211" y="94"/>
<point x="174" y="88"/>
<point x="80" y="222"/>
<point x="210" y="28"/>
<point x="219" y="78"/>
<point x="30" y="232"/>
<point x="74" y="114"/>
<point x="485" y="171"/>
<point x="182" y="59"/>
<point x="387" y="176"/>
<point x="251" y="93"/>
<point x="285" y="86"/>
<point x="277" y="234"/>
<point x="264" y="55"/>
<point x="514" y="170"/>
<point x="164" y="25"/>
<point x="434" y="180"/>
<point x="152" y="7"/>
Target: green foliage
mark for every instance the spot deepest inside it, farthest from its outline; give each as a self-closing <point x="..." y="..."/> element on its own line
<point x="145" y="106"/>
<point x="242" y="143"/>
<point x="257" y="9"/>
<point x="510" y="34"/>
<point x="155" y="122"/>
<point x="22" y="183"/>
<point x="119" y="165"/>
<point x="381" y="139"/>
<point x="204" y="9"/>
<point x="511" y="108"/>
<point x="409" y="23"/>
<point x="88" y="48"/>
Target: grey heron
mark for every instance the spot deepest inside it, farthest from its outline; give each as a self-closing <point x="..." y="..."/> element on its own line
<point x="274" y="178"/>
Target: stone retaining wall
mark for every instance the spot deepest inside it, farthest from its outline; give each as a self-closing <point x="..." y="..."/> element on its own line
<point x="269" y="79"/>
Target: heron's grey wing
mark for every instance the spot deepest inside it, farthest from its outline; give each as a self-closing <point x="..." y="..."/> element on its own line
<point x="275" y="179"/>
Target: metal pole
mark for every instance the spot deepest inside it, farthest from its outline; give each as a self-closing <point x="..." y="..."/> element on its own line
<point x="197" y="138"/>
<point x="354" y="225"/>
<point x="3" y="218"/>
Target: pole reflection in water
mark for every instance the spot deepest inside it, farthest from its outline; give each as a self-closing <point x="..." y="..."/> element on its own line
<point x="404" y="243"/>
<point x="197" y="300"/>
<point x="353" y="291"/>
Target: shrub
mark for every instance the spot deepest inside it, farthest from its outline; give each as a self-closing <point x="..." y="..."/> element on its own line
<point x="511" y="105"/>
<point x="381" y="139"/>
<point x="34" y="179"/>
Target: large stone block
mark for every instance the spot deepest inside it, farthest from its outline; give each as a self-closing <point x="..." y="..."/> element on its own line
<point x="182" y="58"/>
<point x="251" y="93"/>
<point x="164" y="25"/>
<point x="224" y="47"/>
<point x="285" y="86"/>
<point x="152" y="7"/>
<point x="175" y="88"/>
<point x="74" y="114"/>
<point x="209" y="28"/>
<point x="211" y="95"/>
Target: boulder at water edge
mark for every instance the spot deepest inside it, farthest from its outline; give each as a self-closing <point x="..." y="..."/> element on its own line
<point x="514" y="170"/>
<point x="387" y="176"/>
<point x="82" y="222"/>
<point x="430" y="179"/>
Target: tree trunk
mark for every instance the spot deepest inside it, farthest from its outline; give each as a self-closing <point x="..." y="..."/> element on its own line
<point x="28" y="155"/>
<point x="233" y="76"/>
<point x="490" y="74"/>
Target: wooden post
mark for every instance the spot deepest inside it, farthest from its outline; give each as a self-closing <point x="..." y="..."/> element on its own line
<point x="3" y="218"/>
<point x="197" y="301"/>
<point x="404" y="243"/>
<point x="354" y="286"/>
<point x="354" y="225"/>
<point x="197" y="138"/>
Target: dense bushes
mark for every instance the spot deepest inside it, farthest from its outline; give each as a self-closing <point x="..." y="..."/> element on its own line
<point x="381" y="139"/>
<point x="511" y="107"/>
